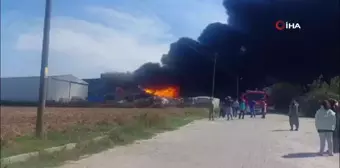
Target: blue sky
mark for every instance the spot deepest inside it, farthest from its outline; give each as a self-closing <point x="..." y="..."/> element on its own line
<point x="89" y="37"/>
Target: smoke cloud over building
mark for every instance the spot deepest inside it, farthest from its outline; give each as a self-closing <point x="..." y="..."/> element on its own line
<point x="250" y="46"/>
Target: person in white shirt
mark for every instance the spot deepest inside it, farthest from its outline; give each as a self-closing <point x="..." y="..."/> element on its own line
<point x="325" y="121"/>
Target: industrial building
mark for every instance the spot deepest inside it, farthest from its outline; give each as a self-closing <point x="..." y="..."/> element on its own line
<point x="102" y="89"/>
<point x="58" y="88"/>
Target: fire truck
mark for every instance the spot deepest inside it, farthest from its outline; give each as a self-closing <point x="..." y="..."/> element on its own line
<point x="260" y="98"/>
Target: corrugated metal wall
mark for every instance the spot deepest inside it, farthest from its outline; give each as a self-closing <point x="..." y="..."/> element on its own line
<point x="66" y="87"/>
<point x="19" y="89"/>
<point x="79" y="90"/>
<point x="58" y="90"/>
<point x="58" y="87"/>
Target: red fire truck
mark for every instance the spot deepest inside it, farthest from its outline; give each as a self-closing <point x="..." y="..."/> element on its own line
<point x="260" y="98"/>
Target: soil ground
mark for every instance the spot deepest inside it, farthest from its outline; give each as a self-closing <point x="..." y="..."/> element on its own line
<point x="19" y="121"/>
<point x="248" y="143"/>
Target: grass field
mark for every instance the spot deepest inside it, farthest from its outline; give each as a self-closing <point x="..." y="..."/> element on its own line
<point x="76" y="125"/>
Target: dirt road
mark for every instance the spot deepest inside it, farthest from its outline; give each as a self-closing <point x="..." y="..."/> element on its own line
<point x="248" y="143"/>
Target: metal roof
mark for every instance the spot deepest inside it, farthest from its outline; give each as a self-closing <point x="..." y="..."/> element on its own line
<point x="67" y="78"/>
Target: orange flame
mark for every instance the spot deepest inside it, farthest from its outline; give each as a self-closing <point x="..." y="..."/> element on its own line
<point x="169" y="92"/>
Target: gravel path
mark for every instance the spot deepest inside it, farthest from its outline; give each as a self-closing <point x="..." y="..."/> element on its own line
<point x="248" y="143"/>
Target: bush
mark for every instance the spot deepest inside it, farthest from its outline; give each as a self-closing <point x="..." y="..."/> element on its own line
<point x="282" y="93"/>
<point x="318" y="91"/>
<point x="309" y="103"/>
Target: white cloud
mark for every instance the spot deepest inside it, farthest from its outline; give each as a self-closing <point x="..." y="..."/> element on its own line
<point x="141" y="26"/>
<point x="187" y="17"/>
<point x="117" y="41"/>
<point x="97" y="39"/>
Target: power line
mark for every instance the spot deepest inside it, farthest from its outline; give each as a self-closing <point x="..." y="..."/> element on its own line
<point x="242" y="50"/>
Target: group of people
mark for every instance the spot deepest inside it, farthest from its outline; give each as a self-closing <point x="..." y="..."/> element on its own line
<point x="232" y="108"/>
<point x="327" y="119"/>
<point x="327" y="123"/>
<point x="229" y="108"/>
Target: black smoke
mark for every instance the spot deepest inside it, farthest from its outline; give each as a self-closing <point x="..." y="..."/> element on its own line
<point x="296" y="56"/>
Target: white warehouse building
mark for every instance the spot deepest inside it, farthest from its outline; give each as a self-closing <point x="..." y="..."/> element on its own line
<point x="58" y="88"/>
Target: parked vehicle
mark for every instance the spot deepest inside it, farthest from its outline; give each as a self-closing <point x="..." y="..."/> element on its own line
<point x="205" y="101"/>
<point x="260" y="98"/>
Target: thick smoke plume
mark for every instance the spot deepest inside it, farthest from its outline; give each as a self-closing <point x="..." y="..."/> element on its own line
<point x="270" y="56"/>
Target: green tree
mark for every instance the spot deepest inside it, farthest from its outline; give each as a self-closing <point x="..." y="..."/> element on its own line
<point x="281" y="94"/>
<point x="318" y="91"/>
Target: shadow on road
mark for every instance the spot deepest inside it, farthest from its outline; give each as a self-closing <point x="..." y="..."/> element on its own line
<point x="282" y="130"/>
<point x="301" y="155"/>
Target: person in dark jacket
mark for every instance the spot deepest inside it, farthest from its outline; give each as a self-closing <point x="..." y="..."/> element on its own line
<point x="252" y="104"/>
<point x="211" y="110"/>
<point x="336" y="134"/>
<point x="221" y="112"/>
<point x="264" y="110"/>
<point x="227" y="107"/>
<point x="294" y="115"/>
<point x="223" y="108"/>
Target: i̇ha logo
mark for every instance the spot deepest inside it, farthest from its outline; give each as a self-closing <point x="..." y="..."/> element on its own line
<point x="282" y="25"/>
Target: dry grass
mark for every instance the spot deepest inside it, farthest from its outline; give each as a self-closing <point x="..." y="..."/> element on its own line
<point x="138" y="124"/>
<point x="76" y="125"/>
<point x="20" y="121"/>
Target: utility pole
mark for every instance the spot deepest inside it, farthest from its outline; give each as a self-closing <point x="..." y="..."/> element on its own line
<point x="43" y="70"/>
<point x="214" y="74"/>
<point x="339" y="90"/>
<point x="212" y="113"/>
<point x="242" y="51"/>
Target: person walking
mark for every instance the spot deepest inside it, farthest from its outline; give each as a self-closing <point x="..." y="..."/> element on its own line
<point x="228" y="108"/>
<point x="294" y="115"/>
<point x="264" y="110"/>
<point x="236" y="106"/>
<point x="252" y="104"/>
<point x="336" y="134"/>
<point x="247" y="108"/>
<point x="242" y="109"/>
<point x="221" y="112"/>
<point x="211" y="110"/>
<point x="325" y="122"/>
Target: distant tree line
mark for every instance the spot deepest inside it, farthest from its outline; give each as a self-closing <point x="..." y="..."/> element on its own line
<point x="281" y="94"/>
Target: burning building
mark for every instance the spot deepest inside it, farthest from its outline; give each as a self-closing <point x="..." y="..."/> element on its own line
<point x="122" y="86"/>
<point x="163" y="91"/>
